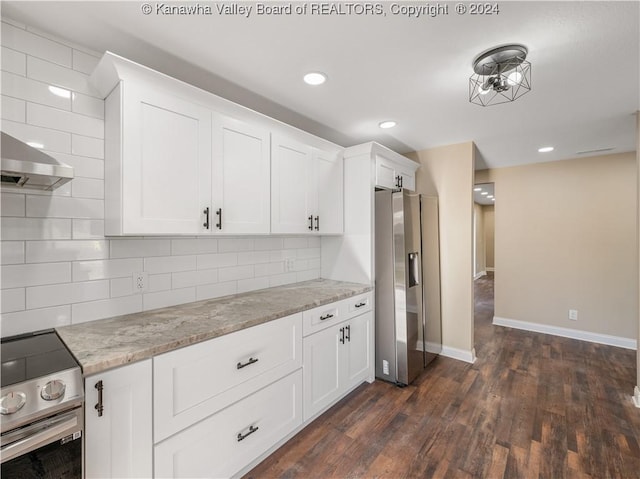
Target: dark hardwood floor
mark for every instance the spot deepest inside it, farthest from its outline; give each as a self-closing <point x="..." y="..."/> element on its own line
<point x="532" y="406"/>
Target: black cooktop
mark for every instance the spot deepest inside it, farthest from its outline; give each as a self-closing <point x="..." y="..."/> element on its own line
<point x="33" y="355"/>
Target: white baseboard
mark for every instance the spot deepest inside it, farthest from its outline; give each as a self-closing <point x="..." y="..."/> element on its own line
<point x="491" y="270"/>
<point x="636" y="396"/>
<point x="480" y="274"/>
<point x="618" y="341"/>
<point x="459" y="354"/>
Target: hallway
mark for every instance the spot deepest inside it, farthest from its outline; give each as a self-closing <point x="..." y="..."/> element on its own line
<point x="532" y="406"/>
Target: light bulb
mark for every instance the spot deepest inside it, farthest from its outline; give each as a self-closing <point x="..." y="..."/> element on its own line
<point x="514" y="78"/>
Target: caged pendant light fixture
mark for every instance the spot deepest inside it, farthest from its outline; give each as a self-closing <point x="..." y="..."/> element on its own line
<point x="501" y="75"/>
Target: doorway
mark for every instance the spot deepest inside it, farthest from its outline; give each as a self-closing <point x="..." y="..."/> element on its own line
<point x="484" y="199"/>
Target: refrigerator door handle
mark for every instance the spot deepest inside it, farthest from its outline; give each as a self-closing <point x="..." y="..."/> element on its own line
<point x="414" y="269"/>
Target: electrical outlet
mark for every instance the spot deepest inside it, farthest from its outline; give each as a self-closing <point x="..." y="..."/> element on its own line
<point x="573" y="314"/>
<point x="140" y="281"/>
<point x="289" y="264"/>
<point x="385" y="367"/>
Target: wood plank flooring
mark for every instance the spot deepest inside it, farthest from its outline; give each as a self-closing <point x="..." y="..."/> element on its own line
<point x="532" y="406"/>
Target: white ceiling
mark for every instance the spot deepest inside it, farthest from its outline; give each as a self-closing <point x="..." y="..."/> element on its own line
<point x="584" y="56"/>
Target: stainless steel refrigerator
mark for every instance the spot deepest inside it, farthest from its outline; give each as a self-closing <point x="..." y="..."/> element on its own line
<point x="407" y="284"/>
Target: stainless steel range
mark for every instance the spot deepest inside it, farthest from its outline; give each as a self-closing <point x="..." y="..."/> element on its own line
<point x="41" y="408"/>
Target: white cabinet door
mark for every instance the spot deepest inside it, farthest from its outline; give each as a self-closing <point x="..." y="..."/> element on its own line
<point x="322" y="370"/>
<point x="386" y="176"/>
<point x="293" y="191"/>
<point x="166" y="162"/>
<point x="241" y="179"/>
<point x="357" y="367"/>
<point x="119" y="443"/>
<point x="329" y="218"/>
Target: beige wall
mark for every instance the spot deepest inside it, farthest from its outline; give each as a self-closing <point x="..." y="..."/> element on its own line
<point x="488" y="212"/>
<point x="478" y="218"/>
<point x="448" y="173"/>
<point x="638" y="240"/>
<point x="565" y="238"/>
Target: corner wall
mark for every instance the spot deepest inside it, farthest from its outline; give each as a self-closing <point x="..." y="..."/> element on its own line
<point x="448" y="173"/>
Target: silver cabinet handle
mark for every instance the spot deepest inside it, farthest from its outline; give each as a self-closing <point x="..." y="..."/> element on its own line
<point x="317" y="223"/>
<point x="248" y="363"/>
<point x="342" y="335"/>
<point x="326" y="316"/>
<point x="310" y="218"/>
<point x="252" y="429"/>
<point x="348" y="328"/>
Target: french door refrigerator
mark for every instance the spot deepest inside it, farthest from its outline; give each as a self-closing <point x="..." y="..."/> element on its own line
<point x="407" y="323"/>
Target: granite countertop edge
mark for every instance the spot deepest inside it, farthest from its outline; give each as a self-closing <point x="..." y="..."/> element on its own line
<point x="113" y="342"/>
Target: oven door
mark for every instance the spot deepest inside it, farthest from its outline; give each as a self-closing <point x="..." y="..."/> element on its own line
<point x="49" y="448"/>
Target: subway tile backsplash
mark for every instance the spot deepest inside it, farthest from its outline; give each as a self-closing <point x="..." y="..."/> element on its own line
<point x="57" y="266"/>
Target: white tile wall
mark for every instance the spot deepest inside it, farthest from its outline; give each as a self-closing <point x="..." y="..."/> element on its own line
<point x="57" y="266"/>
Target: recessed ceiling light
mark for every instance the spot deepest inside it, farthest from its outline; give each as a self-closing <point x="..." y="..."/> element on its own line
<point x="493" y="199"/>
<point x="490" y="197"/>
<point x="35" y="144"/>
<point x="477" y="189"/>
<point x="387" y="124"/>
<point x="61" y="92"/>
<point x="484" y="193"/>
<point x="545" y="149"/>
<point x="315" y="78"/>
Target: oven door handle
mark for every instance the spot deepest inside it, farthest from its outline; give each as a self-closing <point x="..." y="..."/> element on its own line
<point x="39" y="434"/>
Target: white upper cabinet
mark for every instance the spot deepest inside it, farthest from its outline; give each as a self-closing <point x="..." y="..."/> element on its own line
<point x="241" y="183"/>
<point x="182" y="161"/>
<point x="395" y="173"/>
<point x="307" y="191"/>
<point x="293" y="197"/>
<point x="157" y="162"/>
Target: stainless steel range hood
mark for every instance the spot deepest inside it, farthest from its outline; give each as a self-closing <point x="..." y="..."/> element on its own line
<point x="24" y="166"/>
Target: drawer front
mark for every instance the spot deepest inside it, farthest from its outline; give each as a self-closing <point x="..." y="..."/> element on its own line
<point x="224" y="443"/>
<point x="322" y="317"/>
<point x="197" y="381"/>
<point x="358" y="305"/>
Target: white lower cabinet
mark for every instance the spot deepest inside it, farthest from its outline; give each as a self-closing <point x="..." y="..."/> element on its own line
<point x="118" y="439"/>
<point x="215" y="408"/>
<point x="222" y="444"/>
<point x="336" y="360"/>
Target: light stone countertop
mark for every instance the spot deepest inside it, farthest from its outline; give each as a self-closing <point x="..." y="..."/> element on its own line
<point x="109" y="343"/>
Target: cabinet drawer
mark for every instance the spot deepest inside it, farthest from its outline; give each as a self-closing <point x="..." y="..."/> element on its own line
<point x="224" y="443"/>
<point x="317" y="319"/>
<point x="357" y="305"/>
<point x="197" y="381"/>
